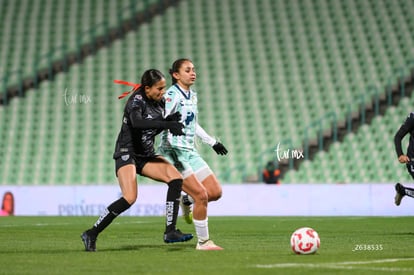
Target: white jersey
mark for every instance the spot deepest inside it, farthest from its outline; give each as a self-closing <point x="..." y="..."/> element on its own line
<point x="185" y="102"/>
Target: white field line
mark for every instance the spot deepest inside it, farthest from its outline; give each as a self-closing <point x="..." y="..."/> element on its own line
<point x="378" y="261"/>
<point x="347" y="265"/>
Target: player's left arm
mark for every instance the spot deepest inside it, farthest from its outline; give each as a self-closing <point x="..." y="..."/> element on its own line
<point x="206" y="138"/>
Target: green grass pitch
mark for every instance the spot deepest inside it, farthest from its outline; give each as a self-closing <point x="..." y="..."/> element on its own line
<point x="253" y="245"/>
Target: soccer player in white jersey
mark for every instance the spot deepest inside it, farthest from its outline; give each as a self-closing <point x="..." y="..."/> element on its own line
<point x="199" y="183"/>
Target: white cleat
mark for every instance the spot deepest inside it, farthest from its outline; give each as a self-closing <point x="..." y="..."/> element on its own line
<point x="187" y="213"/>
<point x="208" y="245"/>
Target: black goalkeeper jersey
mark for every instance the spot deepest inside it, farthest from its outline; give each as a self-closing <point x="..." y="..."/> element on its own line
<point x="406" y="127"/>
<point x="140" y="125"/>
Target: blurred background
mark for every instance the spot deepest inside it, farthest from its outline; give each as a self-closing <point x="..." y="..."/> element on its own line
<point x="327" y="82"/>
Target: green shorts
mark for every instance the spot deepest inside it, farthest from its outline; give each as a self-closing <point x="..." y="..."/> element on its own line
<point x="186" y="161"/>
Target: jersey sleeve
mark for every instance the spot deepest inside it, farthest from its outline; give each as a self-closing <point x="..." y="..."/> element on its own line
<point x="135" y="111"/>
<point x="202" y="134"/>
<point x="405" y="128"/>
<point x="171" y="102"/>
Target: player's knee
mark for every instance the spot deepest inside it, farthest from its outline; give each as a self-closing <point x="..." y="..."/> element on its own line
<point x="201" y="197"/>
<point x="131" y="198"/>
<point x="173" y="174"/>
<point x="215" y="195"/>
<point x="174" y="177"/>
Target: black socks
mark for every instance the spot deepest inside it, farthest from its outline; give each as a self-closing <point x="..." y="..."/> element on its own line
<point x="110" y="213"/>
<point x="117" y="207"/>
<point x="172" y="204"/>
<point x="409" y="191"/>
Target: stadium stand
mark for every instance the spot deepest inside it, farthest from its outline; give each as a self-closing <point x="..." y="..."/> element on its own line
<point x="266" y="71"/>
<point x="365" y="156"/>
<point x="34" y="33"/>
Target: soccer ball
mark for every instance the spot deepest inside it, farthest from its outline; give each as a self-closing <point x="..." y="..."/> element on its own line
<point x="305" y="240"/>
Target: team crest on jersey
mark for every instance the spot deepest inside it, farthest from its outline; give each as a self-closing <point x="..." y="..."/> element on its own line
<point x="139" y="97"/>
<point x="168" y="99"/>
<point x="125" y="157"/>
<point x="190" y="117"/>
<point x="194" y="99"/>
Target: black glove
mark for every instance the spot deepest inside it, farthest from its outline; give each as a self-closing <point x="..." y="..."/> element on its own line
<point x="174" y="117"/>
<point x="219" y="148"/>
<point x="175" y="127"/>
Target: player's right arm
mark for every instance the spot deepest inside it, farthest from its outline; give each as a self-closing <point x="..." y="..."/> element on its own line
<point x="138" y="122"/>
<point x="405" y="128"/>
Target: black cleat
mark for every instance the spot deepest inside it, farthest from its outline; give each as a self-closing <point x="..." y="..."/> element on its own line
<point x="89" y="241"/>
<point x="176" y="236"/>
<point x="399" y="193"/>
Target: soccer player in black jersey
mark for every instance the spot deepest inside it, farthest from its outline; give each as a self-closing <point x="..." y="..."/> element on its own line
<point x="134" y="154"/>
<point x="408" y="159"/>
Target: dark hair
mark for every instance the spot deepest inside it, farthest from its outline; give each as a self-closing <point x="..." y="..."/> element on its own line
<point x="150" y="77"/>
<point x="176" y="67"/>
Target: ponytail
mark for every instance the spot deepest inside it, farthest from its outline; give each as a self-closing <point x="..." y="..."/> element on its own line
<point x="149" y="78"/>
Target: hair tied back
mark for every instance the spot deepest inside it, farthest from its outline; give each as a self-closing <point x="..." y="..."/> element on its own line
<point x="124" y="94"/>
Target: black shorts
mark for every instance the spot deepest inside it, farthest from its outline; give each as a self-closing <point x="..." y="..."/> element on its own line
<point x="138" y="161"/>
<point x="410" y="168"/>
